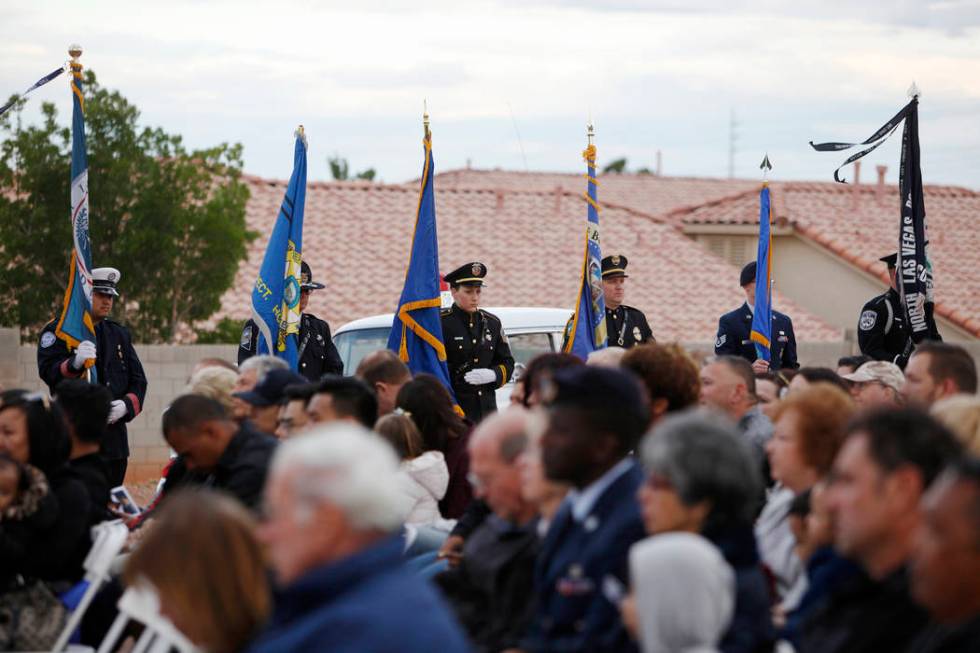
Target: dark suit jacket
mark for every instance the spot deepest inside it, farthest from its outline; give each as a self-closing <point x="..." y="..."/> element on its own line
<point x="574" y="613"/>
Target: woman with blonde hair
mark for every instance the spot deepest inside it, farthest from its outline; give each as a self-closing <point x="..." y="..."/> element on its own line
<point x="205" y="564"/>
<point x="214" y="383"/>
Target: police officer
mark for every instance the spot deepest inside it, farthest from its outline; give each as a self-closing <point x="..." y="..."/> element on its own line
<point x="477" y="351"/>
<point x="317" y="353"/>
<point x="735" y="327"/>
<point x="116" y="366"/>
<point x="883" y="333"/>
<point x="625" y="326"/>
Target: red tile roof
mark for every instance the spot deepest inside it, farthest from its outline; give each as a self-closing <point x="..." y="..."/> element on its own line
<point x="356" y="238"/>
<point x="859" y="224"/>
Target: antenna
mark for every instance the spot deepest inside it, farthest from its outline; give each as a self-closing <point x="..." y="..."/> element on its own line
<point x="517" y="131"/>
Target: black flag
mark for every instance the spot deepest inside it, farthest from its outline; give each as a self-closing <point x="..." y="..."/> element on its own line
<point x="913" y="276"/>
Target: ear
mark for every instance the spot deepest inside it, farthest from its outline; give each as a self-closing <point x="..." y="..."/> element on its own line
<point x="605" y="447"/>
<point x="948" y="388"/>
<point x="905" y="486"/>
<point x="658" y="408"/>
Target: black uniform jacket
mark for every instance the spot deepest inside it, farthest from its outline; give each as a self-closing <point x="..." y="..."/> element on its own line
<point x="733" y="338"/>
<point x="475" y="341"/>
<point x="883" y="331"/>
<point x="317" y="353"/>
<point x="117" y="367"/>
<point x="627" y="326"/>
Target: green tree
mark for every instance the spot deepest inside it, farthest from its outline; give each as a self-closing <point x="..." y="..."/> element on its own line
<point x="172" y="221"/>
<point x="618" y="166"/>
<point x="340" y="170"/>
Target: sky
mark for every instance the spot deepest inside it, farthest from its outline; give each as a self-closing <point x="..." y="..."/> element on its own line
<point x="512" y="83"/>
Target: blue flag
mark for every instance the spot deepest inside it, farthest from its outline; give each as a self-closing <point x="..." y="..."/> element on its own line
<point x="416" y="331"/>
<point x="75" y="323"/>
<point x="586" y="332"/>
<point x="762" y="315"/>
<point x="275" y="297"/>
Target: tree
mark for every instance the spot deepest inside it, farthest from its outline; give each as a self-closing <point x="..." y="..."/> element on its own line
<point x="618" y="166"/>
<point x="340" y="170"/>
<point x="172" y="221"/>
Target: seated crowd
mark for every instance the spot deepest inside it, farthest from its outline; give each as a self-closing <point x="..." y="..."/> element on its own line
<point x="636" y="502"/>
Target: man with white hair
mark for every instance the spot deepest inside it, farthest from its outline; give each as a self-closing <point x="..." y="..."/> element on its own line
<point x="332" y="518"/>
<point x="251" y="372"/>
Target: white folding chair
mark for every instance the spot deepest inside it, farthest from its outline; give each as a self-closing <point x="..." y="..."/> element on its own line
<point x="108" y="539"/>
<point x="140" y="603"/>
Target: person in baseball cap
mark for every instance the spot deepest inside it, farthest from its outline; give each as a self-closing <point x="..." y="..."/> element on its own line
<point x="876" y="383"/>
<point x="264" y="398"/>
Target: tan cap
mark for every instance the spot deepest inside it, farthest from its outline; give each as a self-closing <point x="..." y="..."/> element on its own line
<point x="885" y="373"/>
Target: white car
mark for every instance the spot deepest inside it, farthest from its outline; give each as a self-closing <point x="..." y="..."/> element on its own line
<point x="531" y="331"/>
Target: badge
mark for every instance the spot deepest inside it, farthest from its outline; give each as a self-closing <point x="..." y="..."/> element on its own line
<point x="636" y="334"/>
<point x="111" y="276"/>
<point x="477" y="269"/>
<point x="868" y="319"/>
<point x="721" y="340"/>
<point x="246" y="341"/>
<point x="47" y="339"/>
<point x="489" y="337"/>
<point x="615" y="259"/>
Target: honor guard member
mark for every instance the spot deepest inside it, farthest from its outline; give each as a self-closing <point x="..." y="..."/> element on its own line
<point x="317" y="354"/>
<point x="734" y="329"/>
<point x="883" y="333"/>
<point x="477" y="352"/>
<point x="625" y="326"/>
<point x="116" y="366"/>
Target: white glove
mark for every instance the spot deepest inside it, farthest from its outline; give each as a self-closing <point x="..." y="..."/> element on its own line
<point x="85" y="351"/>
<point x="117" y="410"/>
<point x="480" y="376"/>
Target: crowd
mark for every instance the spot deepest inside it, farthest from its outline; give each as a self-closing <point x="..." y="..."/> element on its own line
<point x="636" y="501"/>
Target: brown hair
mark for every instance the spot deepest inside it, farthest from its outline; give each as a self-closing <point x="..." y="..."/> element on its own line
<point x="383" y="366"/>
<point x="949" y="361"/>
<point x="823" y="410"/>
<point x="401" y="433"/>
<point x="202" y="556"/>
<point x="667" y="372"/>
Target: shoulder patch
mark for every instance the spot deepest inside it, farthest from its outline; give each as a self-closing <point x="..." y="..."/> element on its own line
<point x="721" y="340"/>
<point x="246" y="341"/>
<point x="47" y="339"/>
<point x="867" y="321"/>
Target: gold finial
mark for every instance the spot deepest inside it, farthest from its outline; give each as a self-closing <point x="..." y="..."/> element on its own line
<point x="301" y="135"/>
<point x="425" y="117"/>
<point x="75" y="50"/>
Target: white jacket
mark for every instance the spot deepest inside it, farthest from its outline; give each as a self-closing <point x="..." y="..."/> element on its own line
<point x="425" y="480"/>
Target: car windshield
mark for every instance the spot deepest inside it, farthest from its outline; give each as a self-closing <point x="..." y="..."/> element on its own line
<point x="355" y="344"/>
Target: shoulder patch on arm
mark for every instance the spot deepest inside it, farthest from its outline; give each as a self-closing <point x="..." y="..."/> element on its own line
<point x="246" y="341"/>
<point x="867" y="321"/>
<point x="721" y="340"/>
<point x="47" y="339"/>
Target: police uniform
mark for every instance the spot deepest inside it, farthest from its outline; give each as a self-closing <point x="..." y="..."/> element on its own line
<point x="883" y="332"/>
<point x="317" y="353"/>
<point x="116" y="366"/>
<point x="625" y="326"/>
<point x="475" y="342"/>
<point x="735" y="327"/>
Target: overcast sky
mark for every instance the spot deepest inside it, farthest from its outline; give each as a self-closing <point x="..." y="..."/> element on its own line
<point x="511" y="83"/>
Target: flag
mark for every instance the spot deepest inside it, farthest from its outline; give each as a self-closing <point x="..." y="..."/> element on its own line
<point x="762" y="314"/>
<point x="587" y="329"/>
<point x="275" y="297"/>
<point x="39" y="83"/>
<point x="416" y="330"/>
<point x="75" y="323"/>
<point x="913" y="278"/>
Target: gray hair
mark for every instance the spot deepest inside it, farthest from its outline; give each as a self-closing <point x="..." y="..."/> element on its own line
<point x="262" y="365"/>
<point x="704" y="458"/>
<point x="348" y="466"/>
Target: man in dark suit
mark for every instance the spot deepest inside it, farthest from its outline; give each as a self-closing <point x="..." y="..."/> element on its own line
<point x="734" y="329"/>
<point x="595" y="418"/>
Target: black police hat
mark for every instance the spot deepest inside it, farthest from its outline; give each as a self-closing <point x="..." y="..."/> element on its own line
<point x="614" y="266"/>
<point x="748" y="274"/>
<point x="891" y="260"/>
<point x="468" y="274"/>
<point x="306" y="278"/>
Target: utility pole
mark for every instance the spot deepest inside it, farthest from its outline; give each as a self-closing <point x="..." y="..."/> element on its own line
<point x="732" y="139"/>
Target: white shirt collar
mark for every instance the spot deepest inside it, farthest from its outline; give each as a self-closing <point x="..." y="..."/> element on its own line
<point x="585" y="499"/>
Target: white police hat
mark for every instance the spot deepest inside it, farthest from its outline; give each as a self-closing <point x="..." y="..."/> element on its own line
<point x="104" y="281"/>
